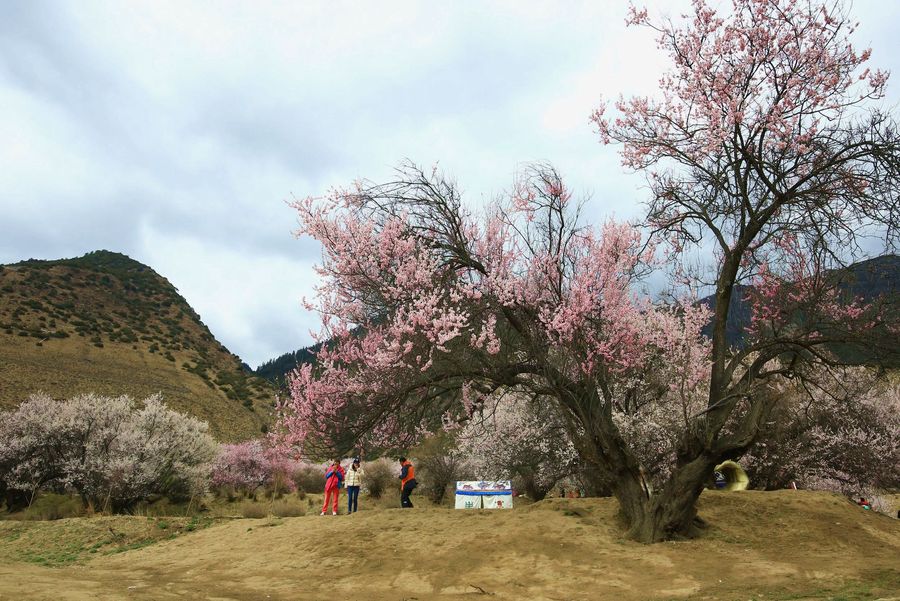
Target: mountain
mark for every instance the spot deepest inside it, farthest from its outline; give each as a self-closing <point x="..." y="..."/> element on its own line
<point x="106" y="323"/>
<point x="276" y="370"/>
<point x="867" y="279"/>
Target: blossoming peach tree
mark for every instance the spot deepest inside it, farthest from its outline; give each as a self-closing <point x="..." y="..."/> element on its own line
<point x="766" y="146"/>
<point x="113" y="452"/>
<point x="821" y="441"/>
<point x="429" y="310"/>
<point x="759" y="143"/>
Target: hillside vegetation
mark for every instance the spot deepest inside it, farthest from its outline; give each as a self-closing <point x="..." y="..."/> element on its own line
<point x="108" y="324"/>
<point x="760" y="545"/>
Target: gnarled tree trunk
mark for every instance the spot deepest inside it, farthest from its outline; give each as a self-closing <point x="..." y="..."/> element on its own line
<point x="670" y="513"/>
<point x="649" y="515"/>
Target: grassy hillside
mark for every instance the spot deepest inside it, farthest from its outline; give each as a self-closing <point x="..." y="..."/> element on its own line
<point x="760" y="546"/>
<point x="108" y="324"/>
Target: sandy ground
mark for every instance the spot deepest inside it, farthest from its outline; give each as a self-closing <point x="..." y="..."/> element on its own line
<point x="781" y="545"/>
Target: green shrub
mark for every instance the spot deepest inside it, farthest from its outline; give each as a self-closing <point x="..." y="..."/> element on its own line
<point x="51" y="506"/>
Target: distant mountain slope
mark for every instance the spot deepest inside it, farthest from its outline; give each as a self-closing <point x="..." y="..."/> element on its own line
<point x="106" y="323"/>
<point x="866" y="279"/>
<point x="276" y="370"/>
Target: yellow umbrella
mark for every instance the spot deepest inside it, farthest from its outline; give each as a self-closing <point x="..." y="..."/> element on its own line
<point x="735" y="476"/>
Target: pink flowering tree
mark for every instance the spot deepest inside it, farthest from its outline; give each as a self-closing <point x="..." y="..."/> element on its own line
<point x="760" y="149"/>
<point x="765" y="147"/>
<point x="429" y="311"/>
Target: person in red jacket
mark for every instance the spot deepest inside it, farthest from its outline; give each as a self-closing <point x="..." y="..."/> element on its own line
<point x="407" y="481"/>
<point x="334" y="479"/>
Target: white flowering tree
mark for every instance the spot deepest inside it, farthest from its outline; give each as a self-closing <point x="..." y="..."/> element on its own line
<point x="517" y="438"/>
<point x="113" y="452"/>
<point x="843" y="435"/>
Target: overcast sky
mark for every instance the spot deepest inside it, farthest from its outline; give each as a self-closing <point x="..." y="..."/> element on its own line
<point x="174" y="132"/>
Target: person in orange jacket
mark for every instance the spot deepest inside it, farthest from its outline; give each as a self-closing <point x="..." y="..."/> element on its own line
<point x="334" y="479"/>
<point x="407" y="481"/>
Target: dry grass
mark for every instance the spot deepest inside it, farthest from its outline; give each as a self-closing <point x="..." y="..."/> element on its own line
<point x="78" y="540"/>
<point x="282" y="508"/>
<point x="66" y="367"/>
<point x="781" y="545"/>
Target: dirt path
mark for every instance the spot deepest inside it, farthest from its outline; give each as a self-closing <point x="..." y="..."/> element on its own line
<point x="779" y="545"/>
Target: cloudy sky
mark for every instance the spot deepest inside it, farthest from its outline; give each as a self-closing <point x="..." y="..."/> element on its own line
<point x="174" y="132"/>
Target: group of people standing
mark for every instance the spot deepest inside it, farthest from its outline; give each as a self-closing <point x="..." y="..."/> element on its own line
<point x="337" y="478"/>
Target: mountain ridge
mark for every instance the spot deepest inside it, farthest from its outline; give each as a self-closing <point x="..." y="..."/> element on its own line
<point x="106" y="323"/>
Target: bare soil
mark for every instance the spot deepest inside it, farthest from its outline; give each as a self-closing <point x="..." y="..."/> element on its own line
<point x="760" y="545"/>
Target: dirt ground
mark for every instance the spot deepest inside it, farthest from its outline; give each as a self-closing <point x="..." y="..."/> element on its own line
<point x="775" y="545"/>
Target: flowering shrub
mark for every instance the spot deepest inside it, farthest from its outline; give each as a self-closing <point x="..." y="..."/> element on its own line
<point x="111" y="451"/>
<point x="843" y="436"/>
<point x="519" y="440"/>
<point x="247" y="466"/>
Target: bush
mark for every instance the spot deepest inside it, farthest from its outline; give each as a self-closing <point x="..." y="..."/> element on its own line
<point x="253" y="510"/>
<point x="50" y="506"/>
<point x="381" y="475"/>
<point x="109" y="451"/>
<point x="439" y="466"/>
<point x="309" y="477"/>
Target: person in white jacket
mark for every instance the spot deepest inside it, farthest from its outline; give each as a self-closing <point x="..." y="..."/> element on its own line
<point x="353" y="481"/>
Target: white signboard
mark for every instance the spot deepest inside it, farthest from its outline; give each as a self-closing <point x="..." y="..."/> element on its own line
<point x="484" y="494"/>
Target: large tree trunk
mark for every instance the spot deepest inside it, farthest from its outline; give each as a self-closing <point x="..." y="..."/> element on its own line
<point x="670" y="513"/>
<point x="651" y="515"/>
